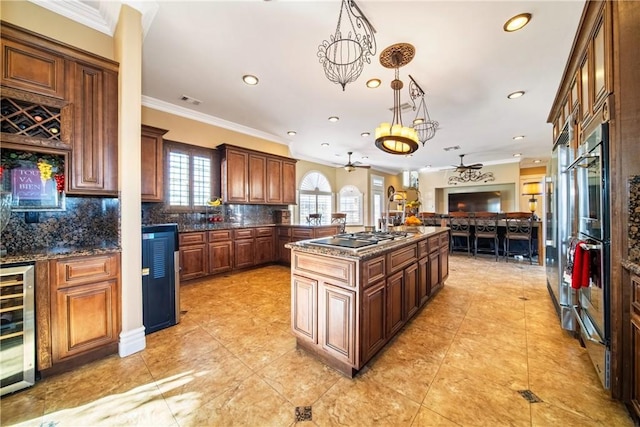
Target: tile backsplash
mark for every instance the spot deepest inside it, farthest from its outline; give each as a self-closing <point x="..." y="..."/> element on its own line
<point x="87" y="222"/>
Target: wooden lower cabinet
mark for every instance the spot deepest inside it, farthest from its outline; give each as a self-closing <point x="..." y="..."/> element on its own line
<point x="85" y="305"/>
<point x="220" y="257"/>
<point x="193" y="261"/>
<point x="360" y="304"/>
<point x="244" y="253"/>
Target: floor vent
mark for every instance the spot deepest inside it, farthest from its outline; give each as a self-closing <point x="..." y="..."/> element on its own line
<point x="530" y="396"/>
<point x="303" y="413"/>
<point x="524" y="298"/>
<point x="183" y="312"/>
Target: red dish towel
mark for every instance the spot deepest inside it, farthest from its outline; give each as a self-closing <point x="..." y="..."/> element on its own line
<point x="581" y="263"/>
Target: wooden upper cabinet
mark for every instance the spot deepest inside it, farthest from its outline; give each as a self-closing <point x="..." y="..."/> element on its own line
<point x="152" y="169"/>
<point x="257" y="178"/>
<point x="33" y="70"/>
<point x="288" y="183"/>
<point x="274" y="181"/>
<point x="257" y="175"/>
<point x="235" y="176"/>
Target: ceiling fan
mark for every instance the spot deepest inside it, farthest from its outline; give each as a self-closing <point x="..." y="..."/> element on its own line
<point x="351" y="166"/>
<point x="462" y="167"/>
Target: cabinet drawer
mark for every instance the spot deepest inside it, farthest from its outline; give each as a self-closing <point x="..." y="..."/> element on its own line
<point x="433" y="243"/>
<point x="423" y="248"/>
<point x="219" y="235"/>
<point x="77" y="271"/>
<point x="197" y="238"/>
<point x="444" y="238"/>
<point x="402" y="257"/>
<point x="284" y="231"/>
<point x="373" y="270"/>
<point x="264" y="231"/>
<point x="302" y="233"/>
<point x="337" y="269"/>
<point x="243" y="233"/>
<point x="326" y="231"/>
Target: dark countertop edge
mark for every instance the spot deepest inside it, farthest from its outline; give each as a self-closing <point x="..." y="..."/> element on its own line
<point x="302" y="245"/>
<point x="231" y="226"/>
<point x="56" y="254"/>
<point x="633" y="267"/>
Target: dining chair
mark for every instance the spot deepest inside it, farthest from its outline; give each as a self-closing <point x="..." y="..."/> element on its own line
<point x="485" y="226"/>
<point x="460" y="226"/>
<point x="518" y="227"/>
<point x="314" y="219"/>
<point x="431" y="219"/>
<point x="340" y="219"/>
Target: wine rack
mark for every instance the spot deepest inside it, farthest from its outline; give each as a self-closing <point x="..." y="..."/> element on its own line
<point x="29" y="119"/>
<point x="17" y="328"/>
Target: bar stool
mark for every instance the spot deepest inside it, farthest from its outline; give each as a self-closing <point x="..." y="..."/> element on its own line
<point x="340" y="219"/>
<point x="314" y="219"/>
<point x="485" y="226"/>
<point x="460" y="226"/>
<point x="430" y="219"/>
<point x="518" y="228"/>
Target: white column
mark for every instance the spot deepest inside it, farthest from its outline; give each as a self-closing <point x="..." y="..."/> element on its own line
<point x="128" y="52"/>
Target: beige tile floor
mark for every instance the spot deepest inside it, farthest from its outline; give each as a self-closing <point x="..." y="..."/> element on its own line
<point x="232" y="361"/>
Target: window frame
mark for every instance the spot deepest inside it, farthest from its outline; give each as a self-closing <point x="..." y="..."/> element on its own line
<point x="191" y="151"/>
<point x="326" y="216"/>
<point x="353" y="192"/>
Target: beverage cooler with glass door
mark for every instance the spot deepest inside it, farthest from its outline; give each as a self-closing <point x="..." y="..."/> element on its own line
<point x="17" y="329"/>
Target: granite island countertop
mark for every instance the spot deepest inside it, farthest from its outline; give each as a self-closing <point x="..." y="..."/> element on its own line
<point x="416" y="234"/>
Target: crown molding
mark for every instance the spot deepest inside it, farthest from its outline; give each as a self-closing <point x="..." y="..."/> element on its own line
<point x="177" y="110"/>
<point x="103" y="19"/>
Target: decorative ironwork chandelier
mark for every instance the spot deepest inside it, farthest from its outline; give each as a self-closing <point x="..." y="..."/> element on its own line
<point x="394" y="137"/>
<point x="423" y="124"/>
<point x="344" y="54"/>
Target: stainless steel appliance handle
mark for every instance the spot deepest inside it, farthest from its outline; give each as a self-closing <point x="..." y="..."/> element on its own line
<point x="583" y="326"/>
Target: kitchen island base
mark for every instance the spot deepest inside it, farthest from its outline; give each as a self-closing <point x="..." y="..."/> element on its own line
<point x="347" y="305"/>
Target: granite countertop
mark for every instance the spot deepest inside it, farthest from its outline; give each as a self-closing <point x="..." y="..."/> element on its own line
<point x="633" y="267"/>
<point x="419" y="233"/>
<point x="58" y="252"/>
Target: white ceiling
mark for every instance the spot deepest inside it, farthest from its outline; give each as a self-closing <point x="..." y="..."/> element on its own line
<point x="464" y="61"/>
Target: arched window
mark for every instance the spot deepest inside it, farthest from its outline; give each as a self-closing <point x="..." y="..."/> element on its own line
<point x="315" y="197"/>
<point x="351" y="204"/>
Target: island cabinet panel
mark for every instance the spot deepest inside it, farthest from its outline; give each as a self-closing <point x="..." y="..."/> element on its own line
<point x="635" y="343"/>
<point x="443" y="264"/>
<point x="336" y="326"/>
<point x="395" y="302"/>
<point x="32" y="69"/>
<point x="373" y="271"/>
<point x="424" y="283"/>
<point x="257" y="178"/>
<point x="304" y="300"/>
<point x="412" y="292"/>
<point x="434" y="271"/>
<point x="402" y="257"/>
<point x="373" y="333"/>
<point x="85" y="306"/>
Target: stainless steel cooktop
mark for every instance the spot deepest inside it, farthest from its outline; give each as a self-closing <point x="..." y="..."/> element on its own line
<point x="359" y="241"/>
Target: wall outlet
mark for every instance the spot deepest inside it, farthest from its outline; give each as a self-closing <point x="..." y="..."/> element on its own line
<point x="31" y="217"/>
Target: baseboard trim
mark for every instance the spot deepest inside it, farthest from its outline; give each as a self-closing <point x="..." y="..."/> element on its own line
<point x="131" y="342"/>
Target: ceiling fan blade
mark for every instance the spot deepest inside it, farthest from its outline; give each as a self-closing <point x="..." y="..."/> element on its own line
<point x="362" y="166"/>
<point x="475" y="166"/>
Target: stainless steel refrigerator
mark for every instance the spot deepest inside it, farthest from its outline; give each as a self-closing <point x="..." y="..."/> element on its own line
<point x="558" y="224"/>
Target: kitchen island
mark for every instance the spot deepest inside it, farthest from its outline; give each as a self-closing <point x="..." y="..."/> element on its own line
<point x="347" y="303"/>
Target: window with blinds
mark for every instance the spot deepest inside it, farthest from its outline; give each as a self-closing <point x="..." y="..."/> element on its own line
<point x="315" y="197"/>
<point x="351" y="204"/>
<point x="189" y="180"/>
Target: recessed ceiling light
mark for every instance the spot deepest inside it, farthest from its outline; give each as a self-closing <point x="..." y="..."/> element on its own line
<point x="291" y="133"/>
<point x="365" y="157"/>
<point x="514" y="95"/>
<point x="324" y="144"/>
<point x="518" y="137"/>
<point x="373" y="83"/>
<point x="537" y="161"/>
<point x="365" y="134"/>
<point x="250" y="80"/>
<point x="517" y="155"/>
<point x="517" y="22"/>
<point x="334" y="118"/>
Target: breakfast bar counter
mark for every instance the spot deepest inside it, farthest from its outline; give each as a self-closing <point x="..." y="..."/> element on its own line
<point x="347" y="303"/>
